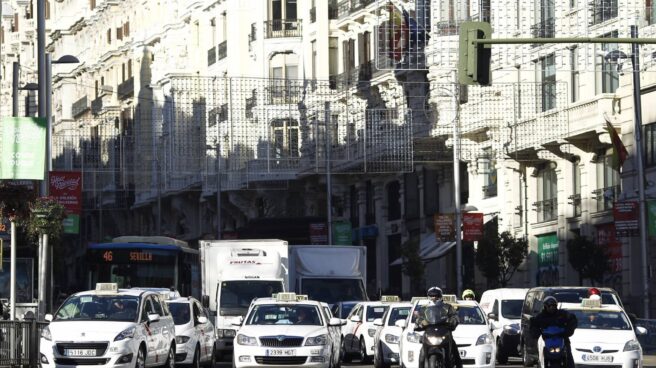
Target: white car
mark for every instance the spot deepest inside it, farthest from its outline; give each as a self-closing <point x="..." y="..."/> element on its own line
<point x="194" y="333"/>
<point x="386" y="339"/>
<point x="287" y="330"/>
<point x="109" y="327"/>
<point x="604" y="336"/>
<point x="358" y="333"/>
<point x="472" y="336"/>
<point x="503" y="307"/>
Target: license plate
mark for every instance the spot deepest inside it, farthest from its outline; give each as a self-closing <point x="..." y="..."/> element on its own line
<point x="80" y="352"/>
<point x="463" y="353"/>
<point x="598" y="358"/>
<point x="280" y="352"/>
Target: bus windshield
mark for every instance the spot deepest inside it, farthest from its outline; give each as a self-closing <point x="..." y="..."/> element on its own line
<point x="236" y="296"/>
<point x="333" y="290"/>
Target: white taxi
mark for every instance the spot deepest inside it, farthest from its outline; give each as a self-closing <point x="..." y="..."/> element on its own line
<point x="194" y="333"/>
<point x="604" y="336"/>
<point x="472" y="336"/>
<point x="358" y="333"/>
<point x="386" y="339"/>
<point x="287" y="329"/>
<point x="109" y="327"/>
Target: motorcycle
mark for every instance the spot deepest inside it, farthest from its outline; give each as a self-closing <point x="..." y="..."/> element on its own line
<point x="437" y="339"/>
<point x="555" y="350"/>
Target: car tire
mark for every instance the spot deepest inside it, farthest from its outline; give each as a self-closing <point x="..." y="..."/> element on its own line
<point x="346" y="357"/>
<point x="528" y="362"/>
<point x="381" y="358"/>
<point x="140" y="362"/>
<point x="502" y="356"/>
<point x="170" y="359"/>
<point x="364" y="358"/>
<point x="196" y="362"/>
<point x="210" y="361"/>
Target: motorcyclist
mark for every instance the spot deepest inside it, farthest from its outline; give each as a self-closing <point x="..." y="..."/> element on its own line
<point x="435" y="295"/>
<point x="552" y="316"/>
<point x="468" y="295"/>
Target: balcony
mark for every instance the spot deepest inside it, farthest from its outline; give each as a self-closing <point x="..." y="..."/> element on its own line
<point x="80" y="107"/>
<point x="606" y="197"/>
<point x="97" y="105"/>
<point x="575" y="201"/>
<point x="283" y="92"/>
<point x="223" y="50"/>
<point x="211" y="56"/>
<point x="544" y="29"/>
<point x="348" y="7"/>
<point x="547" y="210"/>
<point x="126" y="89"/>
<point x="282" y="28"/>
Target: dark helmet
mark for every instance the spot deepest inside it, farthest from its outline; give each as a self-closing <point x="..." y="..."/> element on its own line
<point x="434" y="292"/>
<point x="550" y="301"/>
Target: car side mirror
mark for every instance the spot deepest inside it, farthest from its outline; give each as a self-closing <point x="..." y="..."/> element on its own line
<point x="205" y="301"/>
<point x="336" y="322"/>
<point x="153" y="317"/>
<point x="492" y="316"/>
<point x="202" y="320"/>
<point x="48" y="317"/>
<point x="239" y="321"/>
<point x="401" y="323"/>
<point x="641" y="331"/>
<point x="355" y="319"/>
<point x="378" y="322"/>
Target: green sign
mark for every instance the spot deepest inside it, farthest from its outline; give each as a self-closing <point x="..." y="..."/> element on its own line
<point x="22" y="145"/>
<point x="548" y="270"/>
<point x="342" y="233"/>
<point x="72" y="224"/>
<point x="651" y="214"/>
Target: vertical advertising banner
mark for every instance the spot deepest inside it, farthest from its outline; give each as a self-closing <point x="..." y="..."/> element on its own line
<point x="444" y="227"/>
<point x="342" y="233"/>
<point x="66" y="188"/>
<point x="548" y="247"/>
<point x="472" y="226"/>
<point x="318" y="233"/>
<point x="625" y="214"/>
<point x="606" y="238"/>
<point x="22" y="145"/>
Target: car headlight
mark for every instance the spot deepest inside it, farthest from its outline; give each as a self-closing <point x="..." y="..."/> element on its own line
<point x="45" y="333"/>
<point x="246" y="340"/>
<point x="316" y="340"/>
<point x="435" y="340"/>
<point x="181" y="339"/>
<point x="128" y="333"/>
<point x="485" y="339"/>
<point x="414" y="337"/>
<point x="392" y="339"/>
<point x="632" y="345"/>
<point x="228" y="333"/>
<point x="372" y="332"/>
<point x="511" y="329"/>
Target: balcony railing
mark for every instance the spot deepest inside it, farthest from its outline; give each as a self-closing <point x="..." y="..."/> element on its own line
<point x="606" y="196"/>
<point x="575" y="201"/>
<point x="544" y="29"/>
<point x="126" y="89"/>
<point x="333" y="10"/>
<point x="313" y="14"/>
<point x="80" y="107"/>
<point x="211" y="56"/>
<point x="280" y="28"/>
<point x="97" y="105"/>
<point x="283" y="91"/>
<point x="547" y="210"/>
<point x="223" y="50"/>
<point x="348" y="7"/>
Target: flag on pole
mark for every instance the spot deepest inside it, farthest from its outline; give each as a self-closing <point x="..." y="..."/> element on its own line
<point x="620" y="153"/>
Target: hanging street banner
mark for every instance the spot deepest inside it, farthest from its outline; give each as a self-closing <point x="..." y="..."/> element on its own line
<point x="318" y="233"/>
<point x="548" y="272"/>
<point x="444" y="227"/>
<point x="66" y="188"/>
<point x="22" y="145"/>
<point x="472" y="226"/>
<point x="625" y="214"/>
<point x="342" y="233"/>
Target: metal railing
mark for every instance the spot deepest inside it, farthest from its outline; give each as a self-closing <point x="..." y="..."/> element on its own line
<point x="547" y="209"/>
<point x="606" y="196"/>
<point x="575" y="201"/>
<point x="348" y="7"/>
<point x="126" y="89"/>
<point x="80" y="106"/>
<point x="544" y="29"/>
<point x="19" y="343"/>
<point x="603" y="10"/>
<point x="280" y="28"/>
<point x="223" y="50"/>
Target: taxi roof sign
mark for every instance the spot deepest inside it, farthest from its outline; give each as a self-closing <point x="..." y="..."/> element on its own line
<point x="390" y="298"/>
<point x="301" y="298"/>
<point x="285" y="297"/>
<point x="449" y="298"/>
<point x="418" y="298"/>
<point x="107" y="287"/>
<point x="591" y="303"/>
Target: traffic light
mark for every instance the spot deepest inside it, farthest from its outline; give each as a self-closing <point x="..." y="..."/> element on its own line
<point x="474" y="58"/>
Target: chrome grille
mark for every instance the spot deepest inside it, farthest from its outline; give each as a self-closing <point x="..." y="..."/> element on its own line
<point x="281" y="341"/>
<point x="81" y="361"/>
<point x="280" y="360"/>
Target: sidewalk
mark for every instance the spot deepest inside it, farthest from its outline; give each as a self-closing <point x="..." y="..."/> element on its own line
<point x="649" y="361"/>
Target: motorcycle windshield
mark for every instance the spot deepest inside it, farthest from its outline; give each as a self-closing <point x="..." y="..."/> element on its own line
<point x="435" y="314"/>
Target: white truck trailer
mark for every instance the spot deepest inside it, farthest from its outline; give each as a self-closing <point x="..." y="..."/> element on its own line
<point x="233" y="273"/>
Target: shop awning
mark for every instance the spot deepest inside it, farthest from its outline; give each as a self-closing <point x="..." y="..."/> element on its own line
<point x="429" y="249"/>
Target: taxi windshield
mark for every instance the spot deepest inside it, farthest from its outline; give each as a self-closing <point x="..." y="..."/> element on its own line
<point x="470" y="315"/>
<point x="120" y="308"/>
<point x="601" y="320"/>
<point x="277" y="314"/>
<point x="398" y="314"/>
<point x="375" y="311"/>
<point x="180" y="312"/>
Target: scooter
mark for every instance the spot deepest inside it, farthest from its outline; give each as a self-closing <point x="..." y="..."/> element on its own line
<point x="555" y="350"/>
<point x="437" y="340"/>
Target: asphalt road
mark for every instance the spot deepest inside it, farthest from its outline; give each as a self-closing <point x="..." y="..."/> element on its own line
<point x="514" y="363"/>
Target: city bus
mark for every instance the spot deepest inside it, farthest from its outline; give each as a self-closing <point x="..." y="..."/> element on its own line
<point x="145" y="261"/>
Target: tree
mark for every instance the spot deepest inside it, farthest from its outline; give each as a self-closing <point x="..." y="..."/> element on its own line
<point x="47" y="218"/>
<point x="499" y="255"/>
<point x="588" y="259"/>
<point x="413" y="266"/>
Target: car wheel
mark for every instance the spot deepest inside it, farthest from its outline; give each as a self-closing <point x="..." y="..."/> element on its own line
<point x="377" y="358"/>
<point x="210" y="361"/>
<point x="364" y="358"/>
<point x="502" y="356"/>
<point x="196" y="362"/>
<point x="170" y="360"/>
<point x="140" y="362"/>
<point x="346" y="357"/>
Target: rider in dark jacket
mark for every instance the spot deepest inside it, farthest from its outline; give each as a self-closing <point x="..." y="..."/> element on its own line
<point x="435" y="295"/>
<point x="552" y="316"/>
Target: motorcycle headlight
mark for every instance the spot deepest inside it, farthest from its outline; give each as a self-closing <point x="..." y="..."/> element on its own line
<point x="392" y="339"/>
<point x="511" y="329"/>
<point x="316" y="340"/>
<point x="485" y="339"/>
<point x="246" y="340"/>
<point x="128" y="333"/>
<point x="181" y="339"/>
<point x="414" y="337"/>
<point x="554" y="350"/>
<point x="435" y="340"/>
<point x="632" y="345"/>
<point x="372" y="332"/>
<point x="45" y="333"/>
